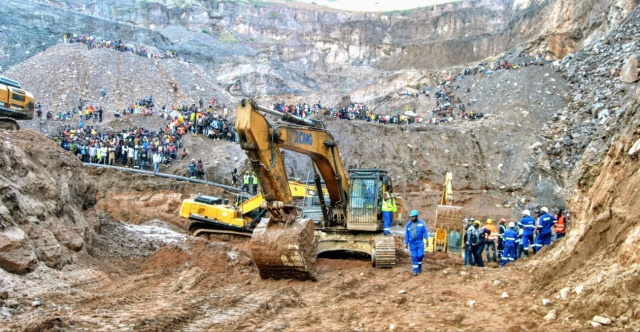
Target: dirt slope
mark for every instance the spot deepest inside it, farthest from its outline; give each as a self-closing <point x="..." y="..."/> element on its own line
<point x="46" y="203"/>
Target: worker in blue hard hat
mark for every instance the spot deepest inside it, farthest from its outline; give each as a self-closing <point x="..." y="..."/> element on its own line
<point x="414" y="237"/>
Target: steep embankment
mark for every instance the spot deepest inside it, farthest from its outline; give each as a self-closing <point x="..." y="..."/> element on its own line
<point x="46" y="202"/>
<point x="594" y="271"/>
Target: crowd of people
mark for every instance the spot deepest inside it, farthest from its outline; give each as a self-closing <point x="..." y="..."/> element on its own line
<point x="93" y="41"/>
<point x="140" y="147"/>
<point x="132" y="148"/>
<point x="353" y="111"/>
<point x="510" y="241"/>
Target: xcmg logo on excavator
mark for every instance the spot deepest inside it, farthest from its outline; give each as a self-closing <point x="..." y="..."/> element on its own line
<point x="303" y="138"/>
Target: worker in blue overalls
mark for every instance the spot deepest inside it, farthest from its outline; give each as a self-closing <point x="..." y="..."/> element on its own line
<point x="414" y="238"/>
<point x="510" y="237"/>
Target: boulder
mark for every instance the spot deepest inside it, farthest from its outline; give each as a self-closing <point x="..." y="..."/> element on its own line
<point x="551" y="315"/>
<point x="635" y="148"/>
<point x="629" y="71"/>
<point x="602" y="320"/>
<point x="16" y="252"/>
<point x="564" y="293"/>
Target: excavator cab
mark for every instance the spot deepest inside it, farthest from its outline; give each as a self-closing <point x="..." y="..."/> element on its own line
<point x="366" y="189"/>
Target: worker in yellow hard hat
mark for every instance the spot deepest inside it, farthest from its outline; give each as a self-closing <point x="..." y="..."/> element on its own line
<point x="491" y="240"/>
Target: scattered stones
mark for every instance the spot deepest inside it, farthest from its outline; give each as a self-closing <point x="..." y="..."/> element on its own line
<point x="595" y="324"/>
<point x="579" y="289"/>
<point x="36" y="303"/>
<point x="629" y="71"/>
<point x="623" y="320"/>
<point x="496" y="283"/>
<point x="471" y="304"/>
<point x="551" y="315"/>
<point x="402" y="291"/>
<point x="602" y="320"/>
<point x="392" y="327"/>
<point x="545" y="302"/>
<point x="635" y="148"/>
<point x="463" y="273"/>
<point x="564" y="293"/>
<point x="504" y="295"/>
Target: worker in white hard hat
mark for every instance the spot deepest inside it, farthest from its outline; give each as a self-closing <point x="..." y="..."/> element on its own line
<point x="528" y="224"/>
<point x="510" y="236"/>
<point x="546" y="222"/>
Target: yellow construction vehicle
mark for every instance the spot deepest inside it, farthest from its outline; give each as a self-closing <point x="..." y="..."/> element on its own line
<point x="284" y="245"/>
<point x="448" y="224"/>
<point x="15" y="103"/>
<point x="213" y="215"/>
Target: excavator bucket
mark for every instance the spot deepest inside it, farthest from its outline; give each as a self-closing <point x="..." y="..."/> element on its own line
<point x="449" y="229"/>
<point x="285" y="250"/>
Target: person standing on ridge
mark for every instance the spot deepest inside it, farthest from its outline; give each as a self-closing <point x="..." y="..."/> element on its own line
<point x="245" y="181"/>
<point x="234" y="177"/>
<point x="414" y="237"/>
<point x="254" y="182"/>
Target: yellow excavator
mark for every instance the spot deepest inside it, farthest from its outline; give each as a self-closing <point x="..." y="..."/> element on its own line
<point x="284" y="245"/>
<point x="448" y="225"/>
<point x="15" y="104"/>
<point x="213" y="215"/>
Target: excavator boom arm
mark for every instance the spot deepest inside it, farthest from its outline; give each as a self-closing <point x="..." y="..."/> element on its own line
<point x="262" y="143"/>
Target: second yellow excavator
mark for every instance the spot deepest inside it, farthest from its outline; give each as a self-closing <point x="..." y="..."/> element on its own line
<point x="284" y="245"/>
<point x="213" y="215"/>
<point x="448" y="225"/>
<point x="15" y="104"/>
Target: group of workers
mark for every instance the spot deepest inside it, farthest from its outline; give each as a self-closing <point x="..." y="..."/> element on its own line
<point x="247" y="179"/>
<point x="513" y="239"/>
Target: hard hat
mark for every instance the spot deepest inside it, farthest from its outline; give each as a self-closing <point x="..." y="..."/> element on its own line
<point x="414" y="213"/>
<point x="477" y="222"/>
<point x="246" y="172"/>
<point x="502" y="220"/>
<point x="471" y="219"/>
<point x="526" y="213"/>
<point x="512" y="224"/>
<point x="489" y="221"/>
<point x="385" y="195"/>
<point x="544" y="209"/>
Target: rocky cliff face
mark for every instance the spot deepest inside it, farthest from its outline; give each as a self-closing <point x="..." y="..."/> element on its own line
<point x="275" y="48"/>
<point x="45" y="201"/>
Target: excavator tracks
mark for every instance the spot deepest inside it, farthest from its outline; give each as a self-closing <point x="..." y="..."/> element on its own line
<point x="9" y="124"/>
<point x="383" y="253"/>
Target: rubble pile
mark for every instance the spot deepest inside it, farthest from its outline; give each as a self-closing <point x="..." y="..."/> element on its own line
<point x="593" y="273"/>
<point x="600" y="76"/>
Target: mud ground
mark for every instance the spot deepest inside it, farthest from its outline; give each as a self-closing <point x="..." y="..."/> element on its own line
<point x="151" y="277"/>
